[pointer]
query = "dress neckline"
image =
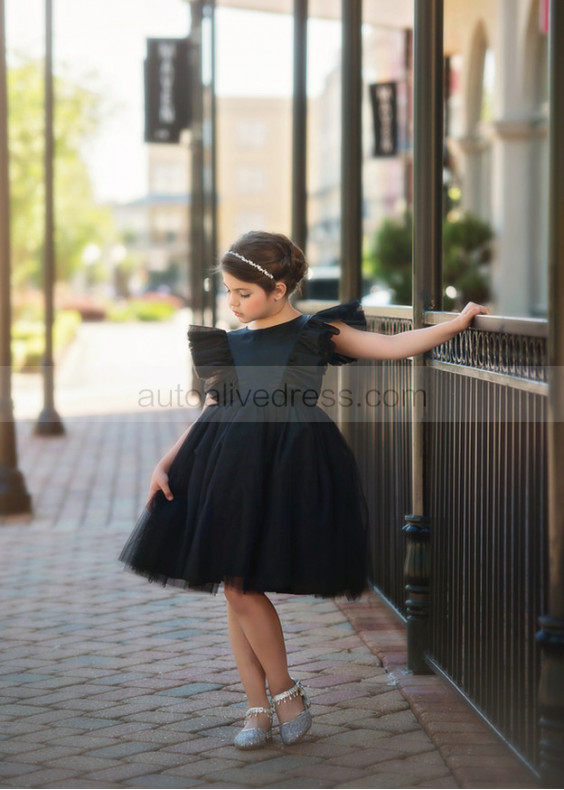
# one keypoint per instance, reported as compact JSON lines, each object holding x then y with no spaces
{"x":282,"y":323}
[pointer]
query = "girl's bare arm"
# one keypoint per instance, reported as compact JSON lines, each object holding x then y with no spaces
{"x":373,"y":345}
{"x":159,"y":478}
{"x":170,"y":455}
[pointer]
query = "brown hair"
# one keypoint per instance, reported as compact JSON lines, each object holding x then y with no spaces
{"x":274,"y":252}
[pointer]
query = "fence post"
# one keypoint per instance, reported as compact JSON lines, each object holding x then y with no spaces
{"x":551,"y":636}
{"x":299,"y":126}
{"x":351,"y":150}
{"x":427,"y":295}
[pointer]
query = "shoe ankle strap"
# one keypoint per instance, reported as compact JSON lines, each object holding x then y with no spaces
{"x":252,"y":711}
{"x":296,"y":689}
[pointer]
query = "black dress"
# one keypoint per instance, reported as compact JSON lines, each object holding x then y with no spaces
{"x":267,"y":493}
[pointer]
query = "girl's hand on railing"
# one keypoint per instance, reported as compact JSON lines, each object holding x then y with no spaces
{"x":159,"y":482}
{"x":468,"y":314}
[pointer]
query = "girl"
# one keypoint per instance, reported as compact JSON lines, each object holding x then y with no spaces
{"x":262,"y":492}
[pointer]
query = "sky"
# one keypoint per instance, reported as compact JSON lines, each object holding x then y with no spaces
{"x":102,"y":44}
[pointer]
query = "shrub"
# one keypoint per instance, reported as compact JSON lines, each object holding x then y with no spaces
{"x":467,"y":255}
{"x":28,"y":339}
{"x":141,"y":310}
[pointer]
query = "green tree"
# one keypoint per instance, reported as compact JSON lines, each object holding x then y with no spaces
{"x":466,"y":258}
{"x":78,"y":220}
{"x":391,"y":256}
{"x":467,"y":253}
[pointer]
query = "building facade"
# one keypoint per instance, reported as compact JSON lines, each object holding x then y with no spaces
{"x":253,"y":166}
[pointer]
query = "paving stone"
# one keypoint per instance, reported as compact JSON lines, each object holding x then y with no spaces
{"x":160,"y":758}
{"x":44,"y":776}
{"x":46,"y":755}
{"x":159,"y":781}
{"x":400,"y":722}
{"x":196,"y":745}
{"x":243,"y":775}
{"x":82,"y":742}
{"x":286,"y":762}
{"x":83,"y":763}
{"x":8,"y":769}
{"x":122,"y":749}
{"x":120,"y":772}
{"x":348,"y":716}
{"x":200,"y":767}
{"x":161,"y":735}
{"x":446,"y":781}
{"x":383,"y":780}
{"x":301,"y":782}
{"x":329,"y":773}
{"x":87,"y":723}
{"x":189,"y":689}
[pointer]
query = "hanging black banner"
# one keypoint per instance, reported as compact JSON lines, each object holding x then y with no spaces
{"x":167,"y":89}
{"x":385,"y":112}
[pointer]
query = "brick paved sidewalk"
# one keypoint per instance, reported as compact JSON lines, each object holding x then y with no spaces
{"x":109,"y":681}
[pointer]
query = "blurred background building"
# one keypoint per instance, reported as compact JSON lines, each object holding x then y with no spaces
{"x":138,"y":195}
{"x":495,"y":154}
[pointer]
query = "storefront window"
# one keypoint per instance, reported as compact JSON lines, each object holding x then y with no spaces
{"x":324,"y":151}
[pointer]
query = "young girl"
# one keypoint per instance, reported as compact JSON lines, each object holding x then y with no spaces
{"x":262,"y":493}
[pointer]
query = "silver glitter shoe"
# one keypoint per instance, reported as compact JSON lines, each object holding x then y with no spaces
{"x":254,"y":737}
{"x":291,"y":731}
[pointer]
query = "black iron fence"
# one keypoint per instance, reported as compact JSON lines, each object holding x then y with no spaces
{"x":485,"y":464}
{"x":382,"y":444}
{"x":486,"y":500}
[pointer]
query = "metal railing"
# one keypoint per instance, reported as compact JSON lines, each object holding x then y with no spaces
{"x":487,"y":498}
{"x":383,"y":449}
{"x":485,"y":464}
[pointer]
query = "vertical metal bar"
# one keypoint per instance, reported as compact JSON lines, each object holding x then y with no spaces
{"x":213,"y":119}
{"x":13,"y":495}
{"x":427,"y":158}
{"x":49,"y":423}
{"x":299,"y":126}
{"x":196,"y":254}
{"x":427,"y":264}
{"x":551,"y":637}
{"x":408,"y":77}
{"x":351,"y":151}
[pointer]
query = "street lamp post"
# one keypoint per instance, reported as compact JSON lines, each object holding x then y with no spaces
{"x":14,"y":497}
{"x":48,"y":422}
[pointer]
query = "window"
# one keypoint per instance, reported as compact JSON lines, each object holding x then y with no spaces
{"x":250,"y":134}
{"x":251,"y":179}
{"x":167,"y":222}
{"x":169,"y":178}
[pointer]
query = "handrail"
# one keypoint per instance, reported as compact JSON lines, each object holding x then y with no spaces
{"x":527,"y":327}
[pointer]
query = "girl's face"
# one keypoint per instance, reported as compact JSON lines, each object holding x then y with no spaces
{"x":249,"y":301}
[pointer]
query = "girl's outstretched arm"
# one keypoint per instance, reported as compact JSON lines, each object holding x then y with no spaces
{"x":374,"y":345}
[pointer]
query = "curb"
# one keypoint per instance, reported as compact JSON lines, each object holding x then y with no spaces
{"x":476,"y":757}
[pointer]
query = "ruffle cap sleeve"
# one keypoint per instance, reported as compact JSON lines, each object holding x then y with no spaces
{"x":351,"y":313}
{"x":211,"y":355}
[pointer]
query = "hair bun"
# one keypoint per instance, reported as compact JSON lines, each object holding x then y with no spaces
{"x":275,"y":252}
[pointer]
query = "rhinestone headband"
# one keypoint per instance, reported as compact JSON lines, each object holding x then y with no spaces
{"x":256,"y":265}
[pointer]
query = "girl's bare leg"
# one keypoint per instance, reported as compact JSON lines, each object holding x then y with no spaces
{"x":250,"y":670}
{"x":259,"y":641}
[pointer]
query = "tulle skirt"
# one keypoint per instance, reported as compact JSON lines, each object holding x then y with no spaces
{"x":263,"y":505}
